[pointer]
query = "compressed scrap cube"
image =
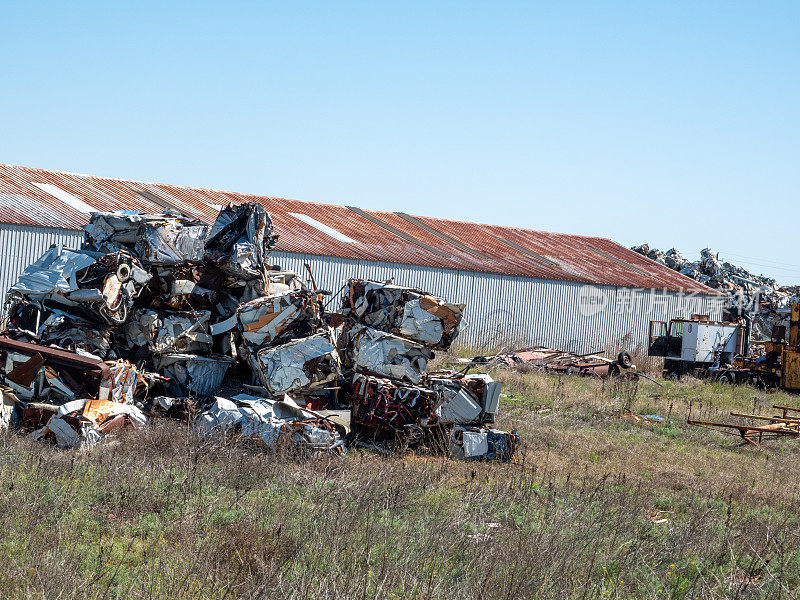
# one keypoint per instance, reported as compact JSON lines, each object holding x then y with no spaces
{"x":201,"y":375}
{"x":272,"y":319}
{"x":403,"y":311}
{"x":298,"y":366}
{"x":385,"y":355}
{"x":467,"y":399}
{"x":240,"y":239}
{"x":389,"y":406}
{"x":163,"y":332}
{"x":162,"y":239}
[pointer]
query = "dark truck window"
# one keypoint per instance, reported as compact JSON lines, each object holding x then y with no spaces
{"x":658,"y":338}
{"x":675,"y":339}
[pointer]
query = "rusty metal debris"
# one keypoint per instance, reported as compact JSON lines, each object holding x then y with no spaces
{"x":162,"y":316}
{"x":74,"y":400}
{"x":754,"y":434}
{"x":559,"y":361}
{"x":786,"y":424}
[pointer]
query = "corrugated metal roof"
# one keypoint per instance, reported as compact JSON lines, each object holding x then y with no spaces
{"x":383,"y":236}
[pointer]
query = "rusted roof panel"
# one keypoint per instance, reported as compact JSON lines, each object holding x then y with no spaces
{"x":383,"y":236}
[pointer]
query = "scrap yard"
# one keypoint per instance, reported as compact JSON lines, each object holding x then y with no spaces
{"x":399,"y":301}
{"x":168,"y":381}
{"x":164,"y":316}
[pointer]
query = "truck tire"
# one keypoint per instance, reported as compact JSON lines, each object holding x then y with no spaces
{"x":624,"y":359}
{"x":726,"y":378}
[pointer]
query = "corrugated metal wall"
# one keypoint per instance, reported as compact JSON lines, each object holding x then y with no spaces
{"x":22,"y":245}
{"x":501,"y":310}
{"x":519,"y":311}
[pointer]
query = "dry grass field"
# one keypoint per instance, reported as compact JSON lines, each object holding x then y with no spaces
{"x":599,"y":505}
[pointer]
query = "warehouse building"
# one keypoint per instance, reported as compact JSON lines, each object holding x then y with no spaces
{"x":521,"y":287}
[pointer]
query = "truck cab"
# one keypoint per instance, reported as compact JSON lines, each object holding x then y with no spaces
{"x":695,"y":343}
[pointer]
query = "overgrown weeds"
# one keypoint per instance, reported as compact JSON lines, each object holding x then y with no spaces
{"x":600,"y":505}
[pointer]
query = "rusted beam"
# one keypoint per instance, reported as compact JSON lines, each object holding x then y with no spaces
{"x":57,"y":356}
{"x":787,"y":420}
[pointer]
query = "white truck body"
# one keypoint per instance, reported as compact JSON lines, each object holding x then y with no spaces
{"x":702,"y":340}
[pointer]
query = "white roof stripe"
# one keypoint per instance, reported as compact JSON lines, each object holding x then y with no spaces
{"x":324,"y":228}
{"x":66,"y":197}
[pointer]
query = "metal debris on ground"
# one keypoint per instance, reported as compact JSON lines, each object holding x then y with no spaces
{"x":271,"y":423}
{"x":787,"y":424}
{"x":163,"y":316}
{"x":559,"y":361}
{"x":471,"y":443}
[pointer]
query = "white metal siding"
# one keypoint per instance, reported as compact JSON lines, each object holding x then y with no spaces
{"x":21,"y":245}
{"x":520,"y":311}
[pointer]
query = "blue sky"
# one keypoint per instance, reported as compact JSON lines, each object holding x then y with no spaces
{"x":675,"y":123}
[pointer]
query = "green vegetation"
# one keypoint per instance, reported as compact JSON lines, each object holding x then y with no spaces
{"x":601,"y":504}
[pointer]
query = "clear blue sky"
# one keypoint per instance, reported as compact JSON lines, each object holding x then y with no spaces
{"x":675,"y":123}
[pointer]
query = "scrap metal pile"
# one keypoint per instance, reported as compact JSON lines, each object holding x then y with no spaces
{"x":387,"y":338}
{"x":744,"y":289}
{"x":162,"y":315}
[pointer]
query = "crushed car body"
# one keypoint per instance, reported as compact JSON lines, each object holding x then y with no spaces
{"x":386,"y":355}
{"x":297,"y":366}
{"x":403,"y":311}
{"x":272,"y":423}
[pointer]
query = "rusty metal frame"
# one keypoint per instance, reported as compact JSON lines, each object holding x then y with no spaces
{"x":57,"y":356}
